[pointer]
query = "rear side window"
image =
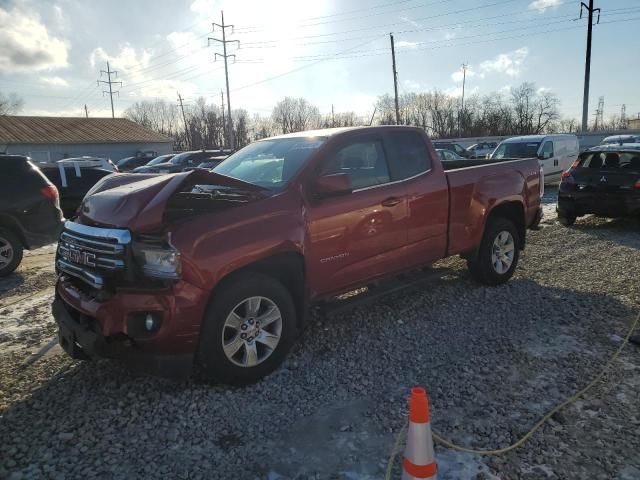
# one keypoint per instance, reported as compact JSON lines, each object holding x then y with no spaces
{"x":13,"y":167}
{"x":408,"y":155}
{"x":611,"y":161}
{"x":363,"y":160}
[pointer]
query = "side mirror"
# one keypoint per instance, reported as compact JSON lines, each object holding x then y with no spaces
{"x":333,"y":184}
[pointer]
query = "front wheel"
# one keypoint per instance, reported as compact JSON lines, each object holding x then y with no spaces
{"x":248,"y":330}
{"x":498,"y":255}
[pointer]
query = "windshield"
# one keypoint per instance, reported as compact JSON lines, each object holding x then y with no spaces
{"x":160,"y":159}
{"x":517,"y":150}
{"x":180,"y":158}
{"x":270,"y":163}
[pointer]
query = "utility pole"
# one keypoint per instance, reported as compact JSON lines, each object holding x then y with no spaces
{"x":623,"y":116}
{"x":464,"y":80}
{"x":395,"y":78}
{"x":86,"y":112}
{"x":587,"y":64}
{"x":224,"y":55}
{"x":110,"y":82}
{"x":599,"y":114}
{"x":224,"y":123}
{"x":184,"y":119}
{"x":333,"y":118}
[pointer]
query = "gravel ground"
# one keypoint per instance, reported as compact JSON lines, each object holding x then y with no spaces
{"x":493,"y":360}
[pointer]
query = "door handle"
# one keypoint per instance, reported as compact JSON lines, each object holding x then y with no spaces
{"x":391,"y":202}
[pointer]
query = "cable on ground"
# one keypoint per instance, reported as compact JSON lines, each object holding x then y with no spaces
{"x":449,"y":444}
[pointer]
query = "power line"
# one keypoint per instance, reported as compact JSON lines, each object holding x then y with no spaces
{"x":110,"y":82}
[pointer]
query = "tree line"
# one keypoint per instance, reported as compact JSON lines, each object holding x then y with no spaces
{"x":523,"y":110}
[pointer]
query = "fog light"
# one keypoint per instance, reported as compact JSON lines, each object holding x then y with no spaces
{"x":149,"y":323}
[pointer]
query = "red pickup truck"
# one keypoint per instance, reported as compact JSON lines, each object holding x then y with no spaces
{"x":217,"y":269}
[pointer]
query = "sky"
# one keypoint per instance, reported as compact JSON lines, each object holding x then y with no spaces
{"x":332,"y":52}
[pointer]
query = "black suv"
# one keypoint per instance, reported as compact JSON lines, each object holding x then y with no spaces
{"x":604,"y":180}
{"x":30,"y":215}
{"x":454,"y":147}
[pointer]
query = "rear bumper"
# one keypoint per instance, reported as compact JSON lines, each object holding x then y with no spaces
{"x":112,"y":328}
{"x":42,"y":226}
{"x":603,"y":205}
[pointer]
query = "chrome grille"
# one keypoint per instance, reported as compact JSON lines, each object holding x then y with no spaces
{"x":91,"y":253}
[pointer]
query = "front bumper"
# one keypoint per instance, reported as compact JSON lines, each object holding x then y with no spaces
{"x":104,"y":328}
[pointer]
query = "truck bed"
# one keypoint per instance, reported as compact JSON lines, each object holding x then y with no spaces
{"x":475,"y":186}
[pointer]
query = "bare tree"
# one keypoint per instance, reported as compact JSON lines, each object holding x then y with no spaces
{"x":10,"y":104}
{"x":295,"y":115}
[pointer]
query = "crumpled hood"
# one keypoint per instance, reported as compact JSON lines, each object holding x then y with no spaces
{"x":137,"y":201}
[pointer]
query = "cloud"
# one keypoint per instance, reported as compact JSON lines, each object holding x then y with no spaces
{"x":411,"y":85}
{"x":54,"y":81}
{"x":458,"y":76}
{"x":411,"y":22}
{"x":456,"y":92}
{"x":407,"y":45}
{"x":542,"y":5}
{"x":26,"y":46}
{"x":143,"y":78}
{"x":509,"y":63}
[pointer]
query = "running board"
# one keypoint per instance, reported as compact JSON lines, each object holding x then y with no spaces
{"x":406,"y":282}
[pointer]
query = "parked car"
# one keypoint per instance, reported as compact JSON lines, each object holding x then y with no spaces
{"x":209,"y":164}
{"x":448,"y":155}
{"x":481,"y":150}
{"x":219,"y":267}
{"x":155,"y":161}
{"x":604,"y":181}
{"x":141,"y":158}
{"x":620,"y":139}
{"x":74,"y":177}
{"x":180,"y":161}
{"x":556,"y":153}
{"x":454,"y":147}
{"x":30,"y":215}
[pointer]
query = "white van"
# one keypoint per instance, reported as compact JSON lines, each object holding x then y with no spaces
{"x":555,"y":153}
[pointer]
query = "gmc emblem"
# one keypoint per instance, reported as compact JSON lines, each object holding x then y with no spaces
{"x":80,"y":257}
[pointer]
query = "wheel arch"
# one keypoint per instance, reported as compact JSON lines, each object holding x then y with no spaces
{"x":9,"y":223}
{"x":285,"y":267}
{"x":513,"y":211}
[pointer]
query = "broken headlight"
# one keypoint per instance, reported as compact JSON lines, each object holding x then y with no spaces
{"x":158,"y":258}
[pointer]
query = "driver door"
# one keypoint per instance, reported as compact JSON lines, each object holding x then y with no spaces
{"x":358,"y":236}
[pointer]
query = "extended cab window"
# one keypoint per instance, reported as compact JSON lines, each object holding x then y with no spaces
{"x":363,"y":160}
{"x":409,"y":155}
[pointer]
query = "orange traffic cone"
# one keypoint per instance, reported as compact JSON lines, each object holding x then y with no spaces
{"x":419,"y":458}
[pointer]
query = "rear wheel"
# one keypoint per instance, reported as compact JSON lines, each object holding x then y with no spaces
{"x":248,"y":330}
{"x":499,"y":253}
{"x":567,"y":218}
{"x":10,"y":252}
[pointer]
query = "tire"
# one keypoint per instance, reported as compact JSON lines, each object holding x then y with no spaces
{"x":567,"y":219}
{"x":221,"y":364}
{"x":483,"y":269}
{"x":10,"y":252}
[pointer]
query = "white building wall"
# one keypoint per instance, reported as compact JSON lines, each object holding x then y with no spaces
{"x":114,"y":151}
